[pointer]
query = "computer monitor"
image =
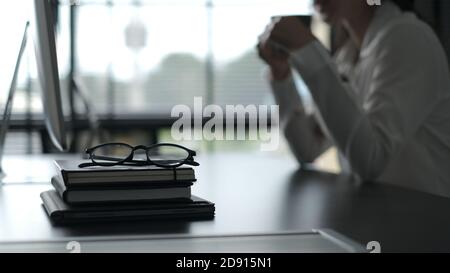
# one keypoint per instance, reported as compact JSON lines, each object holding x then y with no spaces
{"x":48,"y":74}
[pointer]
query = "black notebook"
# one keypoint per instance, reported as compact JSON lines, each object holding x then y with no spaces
{"x":121,"y":194}
{"x":61,"y":213}
{"x":72,"y":175}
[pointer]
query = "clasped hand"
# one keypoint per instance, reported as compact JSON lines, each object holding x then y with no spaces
{"x":281,"y":37}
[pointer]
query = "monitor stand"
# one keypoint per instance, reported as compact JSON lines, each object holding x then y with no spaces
{"x":9,"y":101}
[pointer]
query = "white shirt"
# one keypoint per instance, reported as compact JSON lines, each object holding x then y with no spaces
{"x":391,"y":121}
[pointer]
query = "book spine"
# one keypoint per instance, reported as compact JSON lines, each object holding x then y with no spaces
{"x":64,"y":176}
{"x":61,"y":192}
{"x":61,"y":172}
{"x":49,"y":204}
{"x":52,"y":206}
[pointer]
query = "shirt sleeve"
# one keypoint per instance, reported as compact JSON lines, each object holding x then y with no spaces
{"x":401,"y":96}
{"x":301,"y":130}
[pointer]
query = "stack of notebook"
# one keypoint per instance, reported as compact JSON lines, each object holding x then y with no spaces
{"x":122,"y":193}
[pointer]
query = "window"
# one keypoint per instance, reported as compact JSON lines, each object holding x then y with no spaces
{"x":147,"y":56}
{"x":13,"y":18}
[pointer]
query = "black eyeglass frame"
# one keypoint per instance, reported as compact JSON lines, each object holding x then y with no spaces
{"x":189,"y":160}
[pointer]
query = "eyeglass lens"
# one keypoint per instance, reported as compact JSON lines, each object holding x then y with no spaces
{"x":167,"y":155}
{"x":111,"y":153}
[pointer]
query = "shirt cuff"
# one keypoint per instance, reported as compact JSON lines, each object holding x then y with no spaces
{"x":287,"y":96}
{"x":310,"y":59}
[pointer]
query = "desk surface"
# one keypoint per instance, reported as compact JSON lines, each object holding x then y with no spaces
{"x":263,"y":193}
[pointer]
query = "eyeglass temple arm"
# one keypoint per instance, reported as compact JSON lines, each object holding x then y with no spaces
{"x":192,"y":163}
{"x":142,"y":163}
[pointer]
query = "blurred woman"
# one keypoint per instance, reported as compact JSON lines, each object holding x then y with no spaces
{"x":383,"y":100}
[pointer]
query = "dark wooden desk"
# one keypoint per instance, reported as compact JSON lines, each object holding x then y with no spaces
{"x":263,"y":193}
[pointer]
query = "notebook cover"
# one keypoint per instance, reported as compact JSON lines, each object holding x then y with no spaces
{"x":73,"y":175}
{"x":65,"y":193}
{"x":61,"y":213}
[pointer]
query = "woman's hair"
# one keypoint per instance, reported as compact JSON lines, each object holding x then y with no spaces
{"x":406,"y":5}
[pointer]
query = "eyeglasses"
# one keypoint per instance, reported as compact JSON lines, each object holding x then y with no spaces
{"x":162,"y":155}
